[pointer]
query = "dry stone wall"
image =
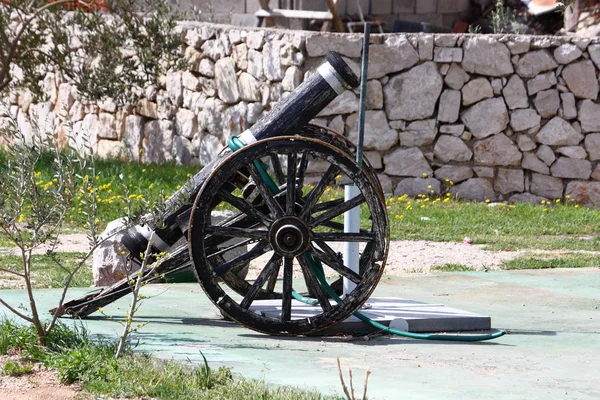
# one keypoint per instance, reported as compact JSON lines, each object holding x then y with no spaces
{"x":484,"y":117}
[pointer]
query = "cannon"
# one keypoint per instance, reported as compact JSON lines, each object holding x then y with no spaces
{"x":285,"y":222}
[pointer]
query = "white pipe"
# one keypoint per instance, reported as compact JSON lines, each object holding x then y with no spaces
{"x":351,"y":249}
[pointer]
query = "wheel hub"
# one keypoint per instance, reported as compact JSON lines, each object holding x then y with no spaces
{"x":289,"y":236}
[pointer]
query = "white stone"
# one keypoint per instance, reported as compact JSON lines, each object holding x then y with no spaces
{"x":378,"y":135}
{"x":509,"y":181}
{"x":525,"y":143}
{"x":456,"y":77}
{"x":418,"y":186}
{"x":407,"y":162}
{"x":346,"y":103}
{"x":497,"y":150}
{"x":558,"y":132}
{"x":534,"y":63}
{"x":476,"y":90}
{"x":454,"y":130}
{"x":567,"y":53}
{"x":394,"y":55}
{"x":447,"y":55}
{"x":107,"y":263}
{"x":347,"y":45}
{"x":594,"y":51}
{"x":450,"y":148}
{"x":249,"y":87}
{"x":255,"y":64}
{"x":486,"y":118}
{"x":484,"y":55}
{"x":569,"y":108}
{"x":589,"y":116}
{"x":157,"y":142}
{"x":106,"y":126}
{"x":272,"y":67}
{"x":565,"y":167}
{"x":582,"y":80}
{"x":592,"y":145}
{"x":175,"y":88}
{"x":292,"y":79}
{"x":547,"y":103}
{"x":337,"y":125}
{"x":475,"y":189}
{"x":254,"y":112}
{"x":209,"y":149}
{"x":546,"y":154}
{"x":255,"y":39}
{"x":132,"y":138}
{"x":227,"y":84}
{"x":108,"y":105}
{"x":189,"y":81}
{"x":207,"y":68}
{"x":522,"y":120}
{"x":584,"y":192}
{"x":414,"y":94}
{"x":515,"y":94}
{"x":234,"y":120}
{"x":519,"y":45}
{"x":546,"y":186}
{"x":449,"y":106}
{"x":110,"y":149}
{"x":64,"y":100}
{"x":182,"y":150}
{"x":454,"y":173}
{"x":240,"y":55}
{"x":541,"y":82}
{"x":425,"y":48}
{"x":573,"y":152}
{"x":533,"y":163}
{"x":217,"y":48}
{"x":374,"y":95}
{"x":186,"y":123}
{"x":419,"y":133}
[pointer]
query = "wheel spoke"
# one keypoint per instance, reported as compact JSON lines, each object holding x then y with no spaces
{"x":314,"y":195}
{"x":230,"y":231}
{"x":286,"y":301}
{"x":277,"y":169}
{"x":273,"y":280}
{"x":245,"y":207}
{"x":259,"y":249}
{"x":313,"y":285}
{"x":338,"y":210}
{"x":291,"y":184}
{"x":326,"y":205}
{"x":224,"y":250}
{"x":343,"y":237}
{"x":332,"y":260}
{"x":271,"y":268}
{"x":264,"y":191}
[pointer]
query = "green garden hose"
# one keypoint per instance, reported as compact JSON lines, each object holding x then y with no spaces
{"x":235,"y":144}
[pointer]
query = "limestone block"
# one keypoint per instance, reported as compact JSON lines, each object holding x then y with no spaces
{"x":413,"y":94}
{"x":589,"y":116}
{"x":419,"y":133}
{"x":346,"y":45}
{"x":484,"y":55}
{"x":286,"y":54}
{"x":525,"y":143}
{"x":526,"y":198}
{"x":106,"y":126}
{"x":240,"y":56}
{"x":573,"y":152}
{"x":175,"y":88}
{"x":454,"y":173}
{"x":450,"y":148}
{"x":509,"y":181}
{"x":533,"y":163}
{"x":193,"y":38}
{"x":497,"y":150}
{"x":476,"y":90}
{"x":132,"y":138}
{"x":446,"y":40}
{"x":454,"y":130}
{"x":292,"y":79}
{"x":584,"y":192}
{"x":484,"y":172}
{"x":157,"y":142}
{"x":534,"y":63}
{"x":193,"y":58}
{"x":519,"y":44}
{"x":567,"y":53}
{"x":416,"y":186}
{"x":189,"y":81}
{"x":594,"y":51}
{"x":569,"y":108}
{"x":234,"y":120}
{"x":110,"y":149}
{"x":558,"y":132}
{"x":546,"y":186}
{"x":206,"y":68}
{"x":254,"y":111}
{"x":209,"y":148}
{"x":515,"y":94}
{"x":425,"y":47}
{"x":378,"y":135}
{"x":272,"y":67}
{"x":596,"y":173}
{"x":255,"y":39}
{"x":217,"y":48}
{"x":456,"y":77}
{"x":476,"y":189}
{"x":572,"y":168}
{"x":407,"y":162}
{"x":547,"y":103}
{"x":65,"y":99}
{"x":449,"y":106}
{"x":374,"y":158}
{"x":447,"y":55}
{"x":107,"y":265}
{"x":488,"y":117}
{"x":546,"y":154}
{"x":541,"y":82}
{"x":394,"y":55}
{"x":249,"y":87}
{"x":186,"y":123}
{"x":227,"y":83}
{"x":592,"y":145}
{"x":346,"y":103}
{"x":374,"y":95}
{"x":581,"y":79}
{"x":522,"y":120}
{"x":337,"y":124}
{"x":49,"y":86}
{"x":182,"y":150}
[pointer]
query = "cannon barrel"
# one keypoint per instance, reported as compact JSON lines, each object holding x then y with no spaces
{"x":333,"y":77}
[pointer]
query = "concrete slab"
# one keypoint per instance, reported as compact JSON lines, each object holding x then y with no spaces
{"x":410,"y":315}
{"x":551,"y":351}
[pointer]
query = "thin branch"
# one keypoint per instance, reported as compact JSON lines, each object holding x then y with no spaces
{"x":17,"y":313}
{"x":8,"y":271}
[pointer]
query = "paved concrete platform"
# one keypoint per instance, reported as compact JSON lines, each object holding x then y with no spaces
{"x":403,"y":314}
{"x":551,"y":351}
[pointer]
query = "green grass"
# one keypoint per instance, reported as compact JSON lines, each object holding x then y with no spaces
{"x":77,"y":358}
{"x":451,"y":268}
{"x":47,"y":274}
{"x":568,"y":260}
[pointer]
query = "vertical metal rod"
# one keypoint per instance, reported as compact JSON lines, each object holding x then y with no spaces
{"x":352,"y":217}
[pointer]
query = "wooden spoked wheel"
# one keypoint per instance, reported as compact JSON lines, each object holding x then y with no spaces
{"x":283,"y":224}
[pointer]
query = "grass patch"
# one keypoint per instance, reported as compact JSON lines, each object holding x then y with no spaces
{"x":565,"y":261}
{"x":47,"y":274}
{"x":451,"y":268}
{"x":92,"y":365}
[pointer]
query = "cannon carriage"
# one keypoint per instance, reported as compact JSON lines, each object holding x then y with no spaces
{"x":283,"y":223}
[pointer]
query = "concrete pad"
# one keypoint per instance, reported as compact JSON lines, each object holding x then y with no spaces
{"x":410,"y":315}
{"x":550,"y":352}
